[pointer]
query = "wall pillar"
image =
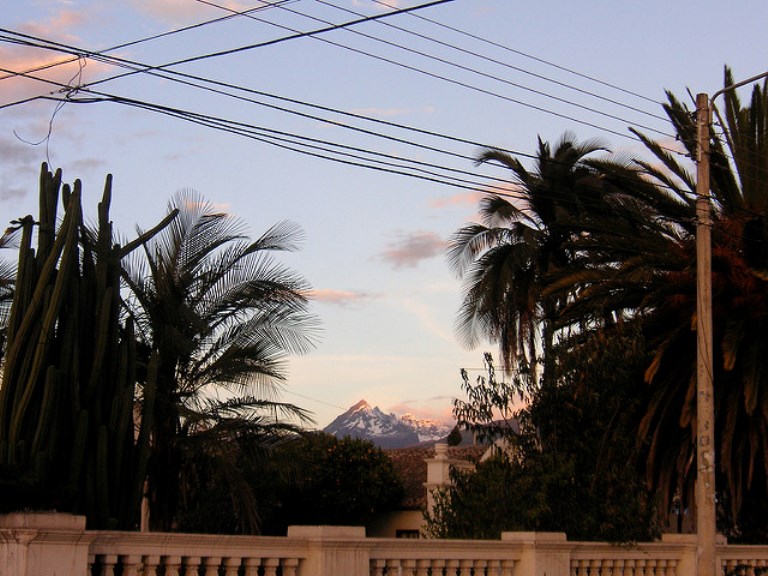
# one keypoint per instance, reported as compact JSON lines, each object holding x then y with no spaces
{"x":43,"y":544}
{"x":543,"y":553}
{"x":333,"y":550}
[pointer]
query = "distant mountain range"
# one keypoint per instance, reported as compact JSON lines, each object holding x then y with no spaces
{"x":386,"y":430}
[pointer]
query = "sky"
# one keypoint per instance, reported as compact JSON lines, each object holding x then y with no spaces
{"x":291,"y":119}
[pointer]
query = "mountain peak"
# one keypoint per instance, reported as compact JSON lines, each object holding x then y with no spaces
{"x":385,"y":430}
{"x":361,"y":405}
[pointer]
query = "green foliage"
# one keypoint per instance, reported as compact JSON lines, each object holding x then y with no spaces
{"x":222,"y":316}
{"x":340,"y":482}
{"x":559,"y":473}
{"x":68,"y":439}
{"x":454,"y":438}
{"x":479,"y":504}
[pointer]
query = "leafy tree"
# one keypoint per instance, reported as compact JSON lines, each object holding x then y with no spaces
{"x":506,"y":261}
{"x":553,"y":472}
{"x":232,"y":486}
{"x":631,"y":261}
{"x":222,"y":316}
{"x":339,"y":482}
{"x":658,"y":287}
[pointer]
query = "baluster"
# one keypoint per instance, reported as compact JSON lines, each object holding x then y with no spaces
{"x":377,"y":567}
{"x":507,"y":567}
{"x":580,"y":568}
{"x":232,"y":565}
{"x":672,"y":567}
{"x":630,"y":567}
{"x":252,"y":566}
{"x":211,"y":564}
{"x":595,"y":567}
{"x":150,"y":565}
{"x":493,"y":568}
{"x":289,"y":566}
{"x":452,"y":568}
{"x":107,"y":562}
{"x":270,"y":566}
{"x":423,"y":566}
{"x":438,"y":567}
{"x":191,"y":564}
{"x":171,"y":565}
{"x":393,"y":567}
{"x":409,"y":567}
{"x":131,"y":564}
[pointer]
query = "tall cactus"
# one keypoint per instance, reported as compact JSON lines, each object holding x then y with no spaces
{"x":73,"y":427}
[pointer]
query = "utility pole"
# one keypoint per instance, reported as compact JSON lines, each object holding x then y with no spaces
{"x":706,"y":530}
{"x":705,"y":409}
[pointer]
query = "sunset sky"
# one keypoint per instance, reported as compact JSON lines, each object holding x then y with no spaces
{"x":299,"y":113}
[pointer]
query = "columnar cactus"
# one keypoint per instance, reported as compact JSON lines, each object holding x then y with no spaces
{"x":74,"y":413}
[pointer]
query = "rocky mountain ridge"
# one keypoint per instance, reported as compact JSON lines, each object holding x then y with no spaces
{"x":386,"y":430}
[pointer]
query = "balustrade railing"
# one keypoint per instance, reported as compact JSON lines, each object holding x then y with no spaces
{"x":43,"y":545}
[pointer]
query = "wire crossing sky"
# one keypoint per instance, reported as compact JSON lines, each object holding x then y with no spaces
{"x":357,"y":119}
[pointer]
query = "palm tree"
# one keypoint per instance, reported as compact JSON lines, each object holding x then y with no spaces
{"x":612,"y":243}
{"x":222,"y":316}
{"x":506,"y":261}
{"x":739,"y":189}
{"x":7,"y":279}
{"x":648,"y":275}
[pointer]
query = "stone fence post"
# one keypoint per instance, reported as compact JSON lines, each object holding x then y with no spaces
{"x":43,"y":544}
{"x":333,"y":550}
{"x":542,"y":554}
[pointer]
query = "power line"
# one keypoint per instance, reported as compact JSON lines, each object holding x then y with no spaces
{"x":423,"y":72}
{"x":233,"y":14}
{"x":492,"y":60}
{"x":524,"y":54}
{"x":382,"y":166}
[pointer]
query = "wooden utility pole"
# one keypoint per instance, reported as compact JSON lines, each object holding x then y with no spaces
{"x":705,"y":410}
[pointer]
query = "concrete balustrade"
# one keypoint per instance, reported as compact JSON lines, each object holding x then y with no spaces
{"x":50,"y":544}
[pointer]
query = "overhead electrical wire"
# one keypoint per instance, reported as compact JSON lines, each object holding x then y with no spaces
{"x":79,"y":52}
{"x":58,"y":46}
{"x":524,"y":54}
{"x":290,"y":142}
{"x":165,"y":34}
{"x":483,"y":74}
{"x":506,"y":65}
{"x":131,"y":65}
{"x":377,"y":17}
{"x":409,"y":67}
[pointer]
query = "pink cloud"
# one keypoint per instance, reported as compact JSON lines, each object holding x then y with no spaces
{"x":338,"y":297}
{"x":411,"y":249}
{"x":58,"y":26}
{"x":178,"y":12}
{"x":439,"y":408}
{"x":462,"y":199}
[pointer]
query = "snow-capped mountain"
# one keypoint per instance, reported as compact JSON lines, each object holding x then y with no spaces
{"x":385,"y":430}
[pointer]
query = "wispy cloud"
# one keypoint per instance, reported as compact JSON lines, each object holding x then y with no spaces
{"x":462,"y":199}
{"x":410,"y":249}
{"x":427,"y":319}
{"x":382,"y":5}
{"x":338,"y":297}
{"x":178,"y":12}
